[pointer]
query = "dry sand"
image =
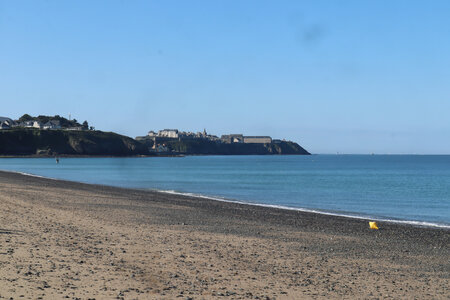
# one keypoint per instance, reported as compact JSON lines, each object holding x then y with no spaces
{"x":69,"y":240}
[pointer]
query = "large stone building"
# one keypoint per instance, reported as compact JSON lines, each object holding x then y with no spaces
{"x":239,"y":138}
{"x":168,"y":133}
{"x":257,"y":139}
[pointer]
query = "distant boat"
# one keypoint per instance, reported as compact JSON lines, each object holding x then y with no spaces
{"x":57,"y":159}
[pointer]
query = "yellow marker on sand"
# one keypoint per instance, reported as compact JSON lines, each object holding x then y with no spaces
{"x":373,"y":225}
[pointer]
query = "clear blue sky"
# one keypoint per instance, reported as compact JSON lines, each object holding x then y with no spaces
{"x":335,"y":76}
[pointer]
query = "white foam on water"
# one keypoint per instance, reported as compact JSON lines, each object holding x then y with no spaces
{"x":406,"y":222}
{"x":32,"y":175}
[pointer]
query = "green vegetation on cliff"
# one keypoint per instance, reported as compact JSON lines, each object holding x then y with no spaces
{"x":21,"y":141}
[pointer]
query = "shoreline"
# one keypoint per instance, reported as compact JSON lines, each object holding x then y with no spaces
{"x":350,"y":215}
{"x":180,"y":154}
{"x":318,"y":211}
{"x":67,"y":239}
{"x":200,"y":200}
{"x":75,"y":156}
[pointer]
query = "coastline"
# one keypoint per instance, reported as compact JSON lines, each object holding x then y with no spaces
{"x":73,"y":156}
{"x":311,"y":213}
{"x":416,"y":223}
{"x":155,"y":154}
{"x":180,"y":245}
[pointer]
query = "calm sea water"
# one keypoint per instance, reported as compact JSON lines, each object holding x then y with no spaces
{"x":395,"y":187}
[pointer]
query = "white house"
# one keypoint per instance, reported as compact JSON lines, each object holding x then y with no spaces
{"x":53,"y":124}
{"x":32,"y":124}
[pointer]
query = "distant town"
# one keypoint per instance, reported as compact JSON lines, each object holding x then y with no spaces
{"x":228,"y":138}
{"x":159,"y":140}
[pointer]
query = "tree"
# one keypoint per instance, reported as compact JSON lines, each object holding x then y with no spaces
{"x":85,"y":125}
{"x":25,"y":117}
{"x":43,"y":119}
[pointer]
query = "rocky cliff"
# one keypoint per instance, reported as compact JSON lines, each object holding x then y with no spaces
{"x":26,"y":141}
{"x":207,"y":147}
{"x":21,"y":141}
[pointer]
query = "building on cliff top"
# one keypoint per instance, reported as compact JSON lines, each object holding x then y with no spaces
{"x":31,"y":124}
{"x":232,"y":138}
{"x":181,"y":135}
{"x":53,"y":124}
{"x":239,"y":138}
{"x":168,"y":133}
{"x":257,"y":140}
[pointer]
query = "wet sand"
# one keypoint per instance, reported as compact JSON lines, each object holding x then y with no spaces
{"x":62,"y":239}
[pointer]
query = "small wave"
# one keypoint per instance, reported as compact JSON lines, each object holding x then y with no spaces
{"x":32,"y":175}
{"x":316,"y":211}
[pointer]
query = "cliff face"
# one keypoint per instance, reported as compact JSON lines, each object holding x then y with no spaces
{"x":197,"y":146}
{"x":49,"y":142}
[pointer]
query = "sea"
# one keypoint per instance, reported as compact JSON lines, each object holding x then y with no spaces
{"x":412,"y":189}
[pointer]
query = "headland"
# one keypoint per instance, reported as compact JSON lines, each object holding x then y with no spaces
{"x":44,"y":136}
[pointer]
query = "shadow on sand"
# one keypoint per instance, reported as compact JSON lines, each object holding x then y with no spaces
{"x":5,"y":231}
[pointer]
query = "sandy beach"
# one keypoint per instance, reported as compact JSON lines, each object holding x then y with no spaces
{"x":62,"y":239}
